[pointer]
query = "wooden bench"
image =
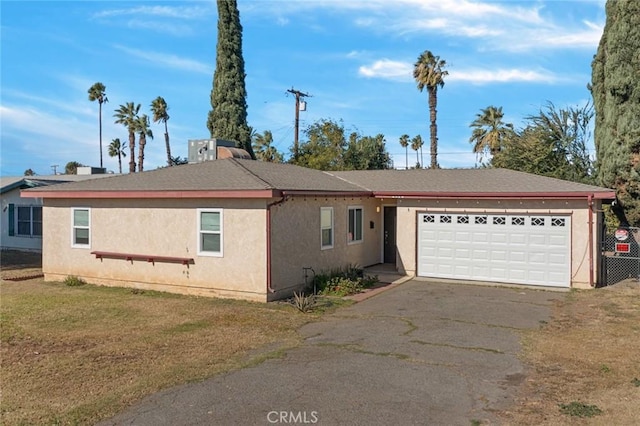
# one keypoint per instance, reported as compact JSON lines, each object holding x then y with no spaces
{"x":149,"y":258}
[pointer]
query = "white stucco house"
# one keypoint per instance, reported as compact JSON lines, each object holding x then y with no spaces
{"x":248,"y":229}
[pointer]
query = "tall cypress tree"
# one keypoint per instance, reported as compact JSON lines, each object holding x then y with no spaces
{"x":615,"y":87}
{"x":228,"y":117}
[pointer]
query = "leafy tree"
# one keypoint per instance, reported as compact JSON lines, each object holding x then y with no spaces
{"x":144,"y":131}
{"x":97,"y":93}
{"x":366,"y":153}
{"x":553,"y":143}
{"x":429,"y":73}
{"x":263,"y":148}
{"x":489,"y":131}
{"x":416,"y":144}
{"x":71,"y":168}
{"x":404,"y":142}
{"x":177,"y":161}
{"x":328,"y":149}
{"x":117,"y":149}
{"x":159,"y":109}
{"x":324,"y":148}
{"x":29,"y":172}
{"x":615,"y":87}
{"x":127,"y":115}
{"x":228,"y":117}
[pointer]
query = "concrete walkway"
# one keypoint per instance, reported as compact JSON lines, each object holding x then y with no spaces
{"x":418,"y":353}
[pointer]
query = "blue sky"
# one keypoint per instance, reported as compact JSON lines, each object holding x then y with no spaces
{"x":355,"y":59}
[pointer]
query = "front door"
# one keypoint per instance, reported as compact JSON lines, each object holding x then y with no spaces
{"x":389,"y":235}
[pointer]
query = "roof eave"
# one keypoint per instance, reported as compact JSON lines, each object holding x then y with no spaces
{"x":598,"y":195}
{"x":261,"y":193}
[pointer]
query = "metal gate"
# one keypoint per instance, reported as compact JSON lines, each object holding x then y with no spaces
{"x":620,"y":256}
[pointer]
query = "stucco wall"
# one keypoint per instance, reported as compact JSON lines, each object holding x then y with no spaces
{"x":296,"y":239}
{"x":161,"y":228}
{"x":17,"y":242}
{"x":578,"y":209}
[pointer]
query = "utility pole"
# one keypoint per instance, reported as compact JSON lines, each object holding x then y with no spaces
{"x":298,"y":94}
{"x":55,"y":169}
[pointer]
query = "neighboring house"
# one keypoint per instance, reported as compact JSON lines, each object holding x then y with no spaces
{"x":248,"y":229}
{"x":22,"y":217}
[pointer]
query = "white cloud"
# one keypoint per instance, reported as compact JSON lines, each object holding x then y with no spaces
{"x":181,"y":12}
{"x":388,"y":69}
{"x":168,"y":60}
{"x":513,"y":75}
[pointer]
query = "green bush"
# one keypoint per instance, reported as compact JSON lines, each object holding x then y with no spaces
{"x":73,"y":281}
{"x":343,"y":281}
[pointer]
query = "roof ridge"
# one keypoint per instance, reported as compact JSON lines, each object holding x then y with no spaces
{"x":238,"y":164}
{"x":346,"y":180}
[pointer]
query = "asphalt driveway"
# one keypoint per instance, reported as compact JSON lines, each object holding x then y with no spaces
{"x":420,"y":353}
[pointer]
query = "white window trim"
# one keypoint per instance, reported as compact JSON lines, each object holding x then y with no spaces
{"x":73,"y":228}
{"x":349,"y":210}
{"x":16,"y":226}
{"x":221,"y":232}
{"x":333,"y":232}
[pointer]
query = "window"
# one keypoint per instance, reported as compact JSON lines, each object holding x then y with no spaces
{"x":428,"y":218}
{"x":80,"y":227}
{"x":499,"y":220}
{"x":537,"y":221}
{"x":445,"y":219}
{"x":480,"y":220}
{"x":28,"y":222}
{"x":210,"y":232}
{"x":557,"y":221}
{"x":355,"y":225}
{"x":463,"y":219}
{"x":326,"y":227}
{"x":517,"y":221}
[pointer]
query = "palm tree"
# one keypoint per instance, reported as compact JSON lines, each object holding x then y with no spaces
{"x":263,"y":149}
{"x":127,"y":115}
{"x":159,"y":110}
{"x":116,"y":149}
{"x":142,"y":127}
{"x":404,"y":142}
{"x":429,"y":72}
{"x":416,"y":144}
{"x":96,"y":93}
{"x":489,"y":131}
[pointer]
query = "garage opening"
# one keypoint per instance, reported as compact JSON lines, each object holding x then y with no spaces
{"x":509,"y":248}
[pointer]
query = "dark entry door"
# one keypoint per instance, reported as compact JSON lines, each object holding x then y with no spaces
{"x":389,"y":235}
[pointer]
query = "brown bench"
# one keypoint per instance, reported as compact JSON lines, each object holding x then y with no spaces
{"x":149,"y":258}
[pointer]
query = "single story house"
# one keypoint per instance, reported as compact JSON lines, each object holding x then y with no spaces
{"x":249,"y":229}
{"x":21,"y":218}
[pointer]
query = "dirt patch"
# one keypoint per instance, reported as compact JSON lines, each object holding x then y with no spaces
{"x":18,"y":265}
{"x":587,"y":358}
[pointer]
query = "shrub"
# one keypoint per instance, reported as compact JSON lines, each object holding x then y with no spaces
{"x":73,"y":281}
{"x":343,"y":281}
{"x":303,"y":303}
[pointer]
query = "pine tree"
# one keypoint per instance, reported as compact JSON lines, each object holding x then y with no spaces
{"x":615,"y":88}
{"x":228,"y":117}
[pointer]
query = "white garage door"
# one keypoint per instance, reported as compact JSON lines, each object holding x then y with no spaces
{"x":520,"y":249}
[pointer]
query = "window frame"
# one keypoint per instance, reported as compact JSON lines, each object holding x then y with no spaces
{"x":353,"y":240}
{"x":74,"y":244}
{"x":323,"y":228}
{"x":199,"y":232}
{"x":30,"y":221}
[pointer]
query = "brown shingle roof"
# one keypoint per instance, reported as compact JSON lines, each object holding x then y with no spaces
{"x":239,"y":175}
{"x":473,"y":181}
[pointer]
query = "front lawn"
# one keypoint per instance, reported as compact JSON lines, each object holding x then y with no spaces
{"x":74,"y":355}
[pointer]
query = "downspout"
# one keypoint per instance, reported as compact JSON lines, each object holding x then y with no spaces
{"x":590,"y":204}
{"x":275,"y":203}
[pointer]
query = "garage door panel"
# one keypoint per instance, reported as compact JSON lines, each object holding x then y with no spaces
{"x":524,"y":249}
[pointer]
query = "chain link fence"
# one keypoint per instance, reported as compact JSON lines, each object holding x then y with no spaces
{"x":621,"y":255}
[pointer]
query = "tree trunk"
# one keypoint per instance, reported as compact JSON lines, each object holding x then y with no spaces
{"x":406,"y":153}
{"x":142,"y":142}
{"x":132,"y":149}
{"x":100,"y":127}
{"x":120,"y":160}
{"x":166,"y":141}
{"x":433,"y":101}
